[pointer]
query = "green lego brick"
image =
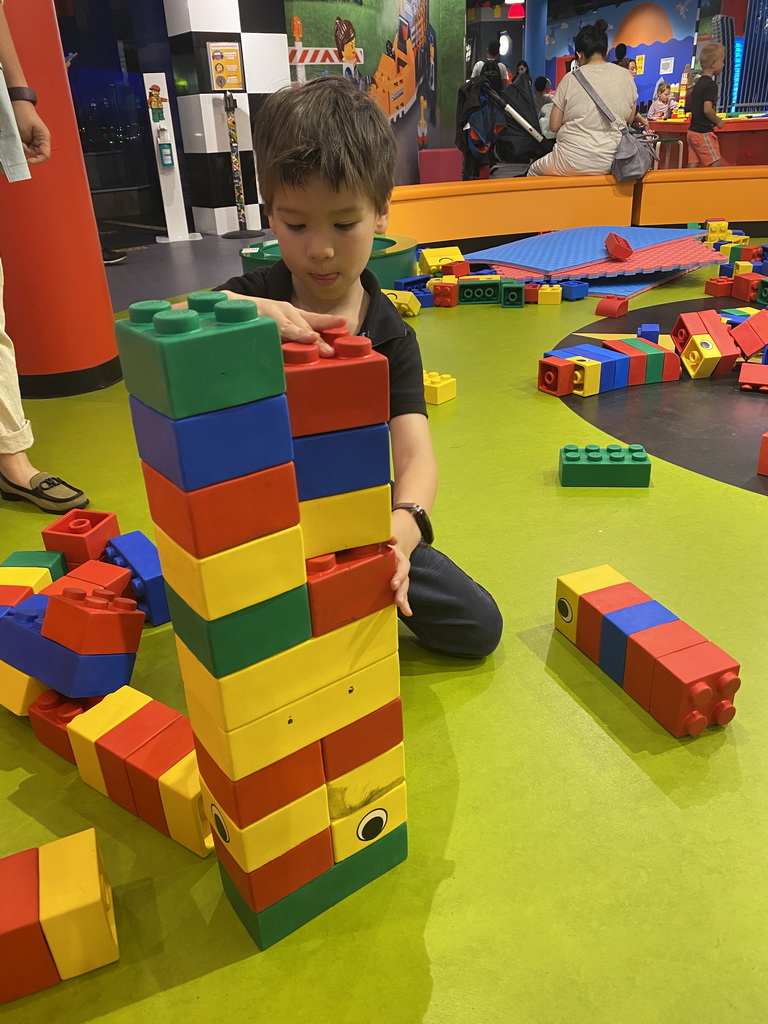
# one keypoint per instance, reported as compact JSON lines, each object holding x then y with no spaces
{"x":762,"y":292}
{"x":269,"y":926}
{"x":512,"y":294}
{"x":654,"y":366}
{"x":477,"y":292}
{"x":54,"y":561}
{"x":183,"y":362}
{"x":613,"y":466}
{"x":235,"y":641}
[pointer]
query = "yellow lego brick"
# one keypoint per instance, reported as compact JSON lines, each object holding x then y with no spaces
{"x":25,"y":576}
{"x":236,"y":578}
{"x":478,"y":277}
{"x":351,"y":520}
{"x":351,"y":834}
{"x":665,"y":341}
{"x":446,"y":279}
{"x":259,"y":689}
{"x":253,"y":746}
{"x":405,"y":303}
{"x":739,"y":239}
{"x":439,"y":387}
{"x":570,"y":588}
{"x":182,"y":802}
{"x":586,"y":376}
{"x":700,"y":356}
{"x":725,"y":250}
{"x":76,"y":911}
{"x":550,"y":295}
{"x":368,"y":782}
{"x":717,"y":226}
{"x":85,"y":729}
{"x":432,"y":259}
{"x":18,"y":690}
{"x":742,"y":267}
{"x":270,"y":837}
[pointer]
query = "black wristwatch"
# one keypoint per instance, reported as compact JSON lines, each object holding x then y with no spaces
{"x":422,"y":520}
{"x":22,"y":92}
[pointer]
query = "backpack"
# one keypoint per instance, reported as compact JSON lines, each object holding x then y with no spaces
{"x":491,"y":72}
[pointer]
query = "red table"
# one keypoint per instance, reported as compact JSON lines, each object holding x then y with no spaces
{"x":742,"y":141}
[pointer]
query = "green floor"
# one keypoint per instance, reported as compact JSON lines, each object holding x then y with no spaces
{"x":570,"y":861}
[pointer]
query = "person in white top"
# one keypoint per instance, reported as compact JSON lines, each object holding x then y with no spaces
{"x":586,"y":143}
{"x":493,"y":54}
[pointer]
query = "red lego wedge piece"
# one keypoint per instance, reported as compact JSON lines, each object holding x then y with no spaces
{"x":753,"y":377}
{"x":745,"y":286}
{"x":265,"y":791}
{"x":116,"y":745}
{"x":349,"y":585}
{"x":350,"y":390}
{"x":151,"y":760}
{"x":97,"y":624}
{"x":694,"y":688}
{"x":592,"y":608}
{"x":50,"y":715}
{"x":556,"y":376}
{"x":686,"y":325}
{"x":748,"y":340}
{"x":93,"y":575}
{"x":363,"y":740}
{"x":532,"y":292}
{"x":281,"y":876}
{"x":720,"y":287}
{"x":447,"y":294}
{"x":645,"y":647}
{"x":726,"y":346}
{"x":81,"y":534}
{"x":637,"y":359}
{"x":459,"y":268}
{"x":612,"y":305}
{"x":762,"y":459}
{"x":618,"y":247}
{"x":27,"y":964}
{"x":258,"y":504}
{"x":12,"y":595}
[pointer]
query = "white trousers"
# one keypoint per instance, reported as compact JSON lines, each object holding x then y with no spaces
{"x":15,"y":430}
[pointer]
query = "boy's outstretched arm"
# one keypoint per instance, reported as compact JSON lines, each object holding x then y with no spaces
{"x":711,"y":114}
{"x":415,"y":472}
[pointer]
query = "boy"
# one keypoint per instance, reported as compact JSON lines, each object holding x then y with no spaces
{"x":703,"y":145}
{"x":325,"y":155}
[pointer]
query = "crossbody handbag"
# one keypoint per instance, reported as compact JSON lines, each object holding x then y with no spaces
{"x":636,"y":153}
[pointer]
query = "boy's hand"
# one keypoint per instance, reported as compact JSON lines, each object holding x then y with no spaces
{"x":299,"y":324}
{"x":400,"y":580}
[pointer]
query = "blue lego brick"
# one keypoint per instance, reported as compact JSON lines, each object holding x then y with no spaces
{"x":764,"y":360}
{"x":136,"y":552}
{"x":480,"y":271}
{"x":573,"y":290}
{"x":411,"y":284}
{"x":757,"y":266}
{"x":719,"y":245}
{"x":74,"y":675}
{"x":341,"y":460}
{"x":649,"y":332}
{"x":725,"y":270}
{"x":614,"y":373}
{"x":201,"y":450}
{"x":425,"y":297}
{"x":739,"y":232}
{"x":617,"y":626}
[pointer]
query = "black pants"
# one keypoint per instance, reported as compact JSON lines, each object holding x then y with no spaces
{"x":451,"y":613}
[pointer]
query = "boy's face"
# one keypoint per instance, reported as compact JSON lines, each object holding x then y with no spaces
{"x":717,"y":65}
{"x":325,"y":238}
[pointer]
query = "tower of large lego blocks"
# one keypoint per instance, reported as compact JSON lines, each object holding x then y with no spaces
{"x":267,"y":474}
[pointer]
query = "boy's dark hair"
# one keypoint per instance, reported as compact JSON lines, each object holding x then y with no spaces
{"x":710,"y":53}
{"x":541,"y":83}
{"x":620,"y":52}
{"x":493,"y":49}
{"x":592,"y":39}
{"x":327,"y":129}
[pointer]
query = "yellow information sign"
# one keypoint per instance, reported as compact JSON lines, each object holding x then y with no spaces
{"x":226,"y":67}
{"x":640,"y":61}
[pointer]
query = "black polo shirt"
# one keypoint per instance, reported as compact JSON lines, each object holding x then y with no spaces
{"x":389,"y":334}
{"x":705,"y":89}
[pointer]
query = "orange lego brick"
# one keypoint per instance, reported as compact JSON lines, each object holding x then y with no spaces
{"x":594,"y":605}
{"x":97,"y":624}
{"x":27,"y":964}
{"x":81,"y":534}
{"x":151,"y":760}
{"x":363,"y":740}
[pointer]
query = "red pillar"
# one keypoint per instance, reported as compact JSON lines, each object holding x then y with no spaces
{"x":57,"y":303}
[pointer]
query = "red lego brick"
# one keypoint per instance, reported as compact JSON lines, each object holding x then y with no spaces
{"x":11,"y":595}
{"x":745,"y":286}
{"x":349,"y":585}
{"x":99,"y":623}
{"x":94,"y":575}
{"x":281,"y":876}
{"x":151,"y":760}
{"x":672,"y":368}
{"x":719,"y":333}
{"x":686,"y":325}
{"x":349,"y":390}
{"x":645,"y":647}
{"x":720,"y":287}
{"x":260,"y":793}
{"x":556,"y":376}
{"x":637,"y":359}
{"x":748,"y":340}
{"x":459,"y":268}
{"x":532,"y":292}
{"x":753,"y":377}
{"x":618,"y":247}
{"x":762,"y":459}
{"x":258,"y":504}
{"x":751,"y":253}
{"x":447,"y":294}
{"x":124,"y":739}
{"x":694,"y":688}
{"x":612,"y":305}
{"x":49,"y":716}
{"x":81,"y":535}
{"x":592,"y":608}
{"x":363,"y":740}
{"x":27,"y":964}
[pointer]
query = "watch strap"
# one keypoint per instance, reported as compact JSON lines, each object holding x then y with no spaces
{"x":22,"y":92}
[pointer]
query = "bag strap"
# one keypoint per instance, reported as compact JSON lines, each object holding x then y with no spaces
{"x":582,"y":80}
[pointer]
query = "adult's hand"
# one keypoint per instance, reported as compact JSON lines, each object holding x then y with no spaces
{"x":35,"y":136}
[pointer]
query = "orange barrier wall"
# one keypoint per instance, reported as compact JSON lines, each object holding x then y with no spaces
{"x":701,"y":193}
{"x":57,"y":302}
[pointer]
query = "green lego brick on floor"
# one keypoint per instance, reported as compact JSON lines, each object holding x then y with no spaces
{"x":654,"y":366}
{"x":512,"y":294}
{"x":762,"y":292}
{"x":54,"y":561}
{"x":215,"y":355}
{"x":298,"y":908}
{"x":235,"y":641}
{"x":478,"y":292}
{"x":614,"y":466}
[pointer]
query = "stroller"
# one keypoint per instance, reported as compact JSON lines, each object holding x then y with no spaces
{"x":500,"y":129}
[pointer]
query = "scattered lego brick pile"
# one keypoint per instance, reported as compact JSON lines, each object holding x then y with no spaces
{"x":57,"y":918}
{"x":614,"y":466}
{"x":683,"y":680}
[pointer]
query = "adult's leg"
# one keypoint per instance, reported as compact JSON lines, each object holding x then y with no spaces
{"x":451,"y":613}
{"x":15,"y":430}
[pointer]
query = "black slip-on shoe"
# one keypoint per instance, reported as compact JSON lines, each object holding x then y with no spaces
{"x":49,"y":493}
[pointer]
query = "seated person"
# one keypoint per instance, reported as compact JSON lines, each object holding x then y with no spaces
{"x":542,"y":92}
{"x":663,"y":105}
